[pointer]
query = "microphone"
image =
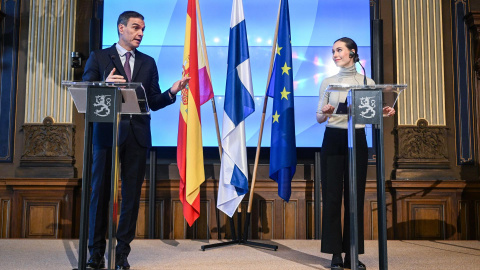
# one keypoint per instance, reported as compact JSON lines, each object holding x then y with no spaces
{"x":112,"y":58}
{"x":364,"y":74}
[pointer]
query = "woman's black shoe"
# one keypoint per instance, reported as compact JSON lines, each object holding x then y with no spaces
{"x":348,"y":264}
{"x":337,"y":262}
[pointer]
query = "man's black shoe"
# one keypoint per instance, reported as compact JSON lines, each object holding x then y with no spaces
{"x":96,"y":261}
{"x":121,"y":262}
{"x":337,"y":262}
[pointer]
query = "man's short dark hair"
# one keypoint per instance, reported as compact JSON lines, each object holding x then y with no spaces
{"x":126,"y":15}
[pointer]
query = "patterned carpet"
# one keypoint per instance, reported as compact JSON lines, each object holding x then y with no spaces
{"x":291,"y":254}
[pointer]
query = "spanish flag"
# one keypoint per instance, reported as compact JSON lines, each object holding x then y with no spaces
{"x":189,"y":144}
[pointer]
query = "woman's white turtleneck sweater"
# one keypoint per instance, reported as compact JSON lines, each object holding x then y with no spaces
{"x":348,"y":76}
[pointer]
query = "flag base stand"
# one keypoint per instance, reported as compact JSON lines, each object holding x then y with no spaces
{"x":250,"y":243}
{"x":239,"y":240}
{"x":234,"y":241}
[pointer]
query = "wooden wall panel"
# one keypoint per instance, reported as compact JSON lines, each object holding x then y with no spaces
{"x":5,"y":214}
{"x":415,"y":210}
{"x":463,"y":219}
{"x":225,"y":225}
{"x":477,"y":220}
{"x":266,"y":219}
{"x":144,"y":219}
{"x":310,"y":220}
{"x":178,"y":220}
{"x":159,"y":219}
{"x":202,"y":226}
{"x":427,"y":220}
{"x":373,"y":228}
{"x":290,"y":219}
{"x":41,"y":218}
{"x":370,"y":221}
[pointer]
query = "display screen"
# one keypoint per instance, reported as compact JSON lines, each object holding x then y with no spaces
{"x":315,"y":25}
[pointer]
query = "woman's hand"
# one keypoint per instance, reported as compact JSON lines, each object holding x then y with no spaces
{"x":388,"y":111}
{"x":328,"y":109}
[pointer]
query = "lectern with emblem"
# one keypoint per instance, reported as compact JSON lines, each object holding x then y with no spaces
{"x":103,"y":102}
{"x":364,"y":105}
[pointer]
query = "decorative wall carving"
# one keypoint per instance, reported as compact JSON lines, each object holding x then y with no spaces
{"x":422,"y":142}
{"x":48,"y":145}
{"x":421,"y":153}
{"x":48,"y":140}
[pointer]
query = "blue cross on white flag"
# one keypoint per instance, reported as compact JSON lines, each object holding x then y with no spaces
{"x":238,"y":105}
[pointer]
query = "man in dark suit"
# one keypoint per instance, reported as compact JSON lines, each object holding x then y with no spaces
{"x":122,"y":62}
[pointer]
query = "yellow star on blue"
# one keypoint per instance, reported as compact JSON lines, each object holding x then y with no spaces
{"x":279,"y":49}
{"x":285,"y":69}
{"x":284,"y":93}
{"x":275,"y":117}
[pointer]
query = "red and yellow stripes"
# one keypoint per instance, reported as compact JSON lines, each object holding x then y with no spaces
{"x":189,"y":147}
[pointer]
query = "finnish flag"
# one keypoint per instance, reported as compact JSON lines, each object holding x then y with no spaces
{"x":238,"y":105}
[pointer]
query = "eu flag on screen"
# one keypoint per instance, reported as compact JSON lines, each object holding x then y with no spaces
{"x":283,"y":154}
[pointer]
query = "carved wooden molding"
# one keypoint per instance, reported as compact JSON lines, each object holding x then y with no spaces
{"x":422,"y":142}
{"x":473,"y":21}
{"x":49,"y":140}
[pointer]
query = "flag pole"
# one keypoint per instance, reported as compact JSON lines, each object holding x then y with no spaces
{"x":262,"y":123}
{"x":217,"y":129}
{"x":214,"y":108}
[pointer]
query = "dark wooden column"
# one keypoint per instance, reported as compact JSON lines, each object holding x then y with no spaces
{"x":473,"y":22}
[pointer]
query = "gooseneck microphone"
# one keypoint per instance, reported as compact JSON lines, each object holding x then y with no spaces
{"x":112,"y":59}
{"x":356,"y":58}
{"x":364,"y":74}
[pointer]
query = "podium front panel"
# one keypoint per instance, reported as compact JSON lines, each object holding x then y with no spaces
{"x":368,"y":106}
{"x":100,"y":102}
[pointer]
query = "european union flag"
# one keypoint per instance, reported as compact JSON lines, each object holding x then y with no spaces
{"x":283,"y":153}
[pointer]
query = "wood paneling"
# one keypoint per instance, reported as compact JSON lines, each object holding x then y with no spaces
{"x":143,"y":220}
{"x":178,"y":225}
{"x":415,"y":210}
{"x":39,"y":208}
{"x":373,"y":220}
{"x":266,"y":219}
{"x":226,"y":227}
{"x":41,"y":219}
{"x":428,"y":209}
{"x":463,"y":220}
{"x":5,"y":213}
{"x":427,"y":221}
{"x":290,"y":219}
{"x":310,"y":220}
{"x":202,"y":228}
{"x":477,"y":220}
{"x":370,"y":221}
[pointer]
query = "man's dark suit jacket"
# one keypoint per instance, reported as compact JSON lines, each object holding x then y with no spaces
{"x":145,"y":71}
{"x":133,"y":170}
